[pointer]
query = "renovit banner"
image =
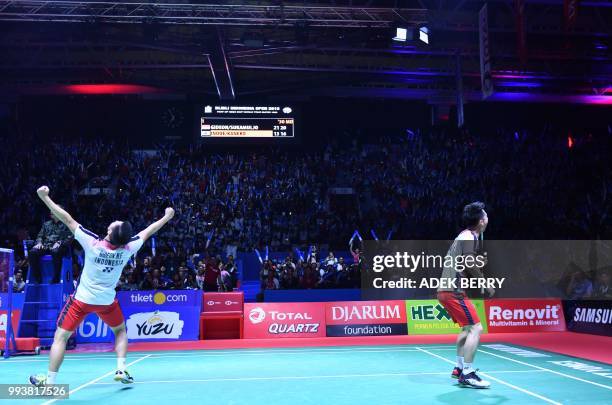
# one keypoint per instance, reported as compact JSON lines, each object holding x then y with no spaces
{"x":161,"y":315}
{"x":543,"y":315}
{"x":429,"y":317}
{"x":366,"y":318}
{"x":272,"y":320}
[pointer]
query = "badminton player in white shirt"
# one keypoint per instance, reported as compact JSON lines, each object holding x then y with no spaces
{"x":105,"y":259}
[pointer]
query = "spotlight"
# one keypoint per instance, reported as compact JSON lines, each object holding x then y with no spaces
{"x":401,"y":34}
{"x":424,"y":35}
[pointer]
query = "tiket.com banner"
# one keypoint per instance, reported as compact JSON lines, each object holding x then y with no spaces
{"x":161,"y":315}
{"x":589,"y":316}
{"x":272,"y":320}
{"x":429,"y":317}
{"x":544,"y":315}
{"x":366,"y":318}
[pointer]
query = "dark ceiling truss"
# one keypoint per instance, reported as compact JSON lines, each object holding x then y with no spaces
{"x":171,"y":46}
{"x":207,"y":14}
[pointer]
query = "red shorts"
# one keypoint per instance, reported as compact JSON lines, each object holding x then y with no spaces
{"x":459,"y":307}
{"x":75,"y":311}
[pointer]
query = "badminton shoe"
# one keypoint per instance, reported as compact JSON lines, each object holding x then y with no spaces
{"x":38,"y":380}
{"x":124,"y":377}
{"x":472,"y":380}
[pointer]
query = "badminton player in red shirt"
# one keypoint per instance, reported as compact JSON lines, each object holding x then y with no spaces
{"x":456,"y":303}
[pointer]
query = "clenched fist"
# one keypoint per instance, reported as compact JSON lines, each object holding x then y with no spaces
{"x":43,"y":191}
{"x":170,"y":212}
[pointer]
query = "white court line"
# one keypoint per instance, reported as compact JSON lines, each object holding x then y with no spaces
{"x":80,"y":387}
{"x":278,"y":350}
{"x":533,"y":394}
{"x":229,"y":353}
{"x":547,"y":369}
{"x":287,"y":352}
{"x":307,"y":377}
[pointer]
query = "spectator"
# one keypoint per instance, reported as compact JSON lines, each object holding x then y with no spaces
{"x":342,"y":274}
{"x":190,"y":282}
{"x":147,"y":282}
{"x":289,"y":278}
{"x":18,"y":284}
{"x":232,"y":269}
{"x":156,"y":280}
{"x":211,"y":275}
{"x":177,"y":282}
{"x":310,"y":278}
{"x":146,"y":266}
{"x":224,"y":282}
{"x":580,"y":287}
{"x":121,"y":283}
{"x":266,"y":269}
{"x":331,"y":260}
{"x":271,"y":281}
{"x":201,"y":275}
{"x":165,"y":279}
{"x":602,"y":286}
{"x":131,"y":284}
{"x":356,"y":255}
{"x":53,"y":238}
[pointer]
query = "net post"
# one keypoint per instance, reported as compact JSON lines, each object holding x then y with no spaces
{"x":10,"y":335}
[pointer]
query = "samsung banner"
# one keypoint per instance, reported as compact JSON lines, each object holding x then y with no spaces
{"x":589,"y":316}
{"x":150,"y":316}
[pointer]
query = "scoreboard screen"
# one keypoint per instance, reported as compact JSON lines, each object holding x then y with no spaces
{"x":246,"y":121}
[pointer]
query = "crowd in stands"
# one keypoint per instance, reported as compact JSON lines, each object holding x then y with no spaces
{"x":407,"y":187}
{"x":331,"y":272}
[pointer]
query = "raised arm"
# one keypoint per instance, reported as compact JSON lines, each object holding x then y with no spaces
{"x":157,"y":225}
{"x":59,"y":212}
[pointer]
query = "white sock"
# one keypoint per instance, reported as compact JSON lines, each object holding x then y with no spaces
{"x":121,"y":363}
{"x":460,"y":361}
{"x":51,"y":377}
{"x":467,"y":368}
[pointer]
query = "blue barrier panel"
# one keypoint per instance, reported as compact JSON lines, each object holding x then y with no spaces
{"x":17,"y":301}
{"x":93,"y":330}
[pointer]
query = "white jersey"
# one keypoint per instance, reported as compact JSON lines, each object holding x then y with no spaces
{"x":103,"y":266}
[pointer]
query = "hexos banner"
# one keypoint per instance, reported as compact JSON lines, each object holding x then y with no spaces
{"x":428,"y":317}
